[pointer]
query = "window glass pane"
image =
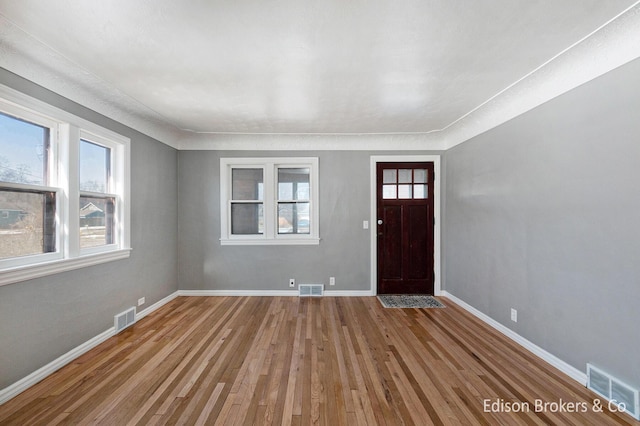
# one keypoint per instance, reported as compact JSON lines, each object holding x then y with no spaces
{"x":247,"y":184}
{"x":293,"y":218}
{"x":293,"y":184}
{"x":247,"y":218}
{"x":389,"y":192}
{"x":27,"y":223}
{"x":23,"y":151}
{"x":419,"y":191}
{"x":404,"y":191}
{"x":95,"y":167}
{"x":404,"y":176}
{"x":96,"y":221}
{"x":389,"y":176}
{"x":420,"y":176}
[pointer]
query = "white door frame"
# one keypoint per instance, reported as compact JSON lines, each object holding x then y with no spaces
{"x":373,"y":228}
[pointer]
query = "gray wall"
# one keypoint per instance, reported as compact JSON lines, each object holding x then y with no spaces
{"x":542,"y":215}
{"x":44,"y":318}
{"x":344,"y":250}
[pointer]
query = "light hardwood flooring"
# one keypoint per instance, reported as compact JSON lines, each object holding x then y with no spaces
{"x":288,"y":360}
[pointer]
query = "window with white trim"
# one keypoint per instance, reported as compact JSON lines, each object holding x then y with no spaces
{"x":269,"y":201}
{"x":63,"y":190}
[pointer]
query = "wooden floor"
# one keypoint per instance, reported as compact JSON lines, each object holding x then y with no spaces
{"x":288,"y":360}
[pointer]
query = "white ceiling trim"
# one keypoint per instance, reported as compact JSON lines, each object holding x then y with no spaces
{"x":30,"y":58}
{"x":612,"y":45}
{"x":312,"y":142}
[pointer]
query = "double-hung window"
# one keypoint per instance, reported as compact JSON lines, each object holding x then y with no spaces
{"x":269,"y":201}
{"x":64,"y":190}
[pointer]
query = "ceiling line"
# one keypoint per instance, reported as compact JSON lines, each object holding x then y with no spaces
{"x":543,"y":65}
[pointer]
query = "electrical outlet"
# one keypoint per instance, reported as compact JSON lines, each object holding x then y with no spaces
{"x":141,"y":301}
{"x":514,"y":315}
{"x":292,"y":282}
{"x":332,"y":280}
{"x":365,"y":224}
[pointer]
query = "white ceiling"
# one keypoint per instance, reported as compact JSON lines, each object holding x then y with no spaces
{"x":295,"y":66}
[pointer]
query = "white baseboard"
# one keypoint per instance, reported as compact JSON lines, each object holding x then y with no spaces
{"x":33,"y":378}
{"x":569,"y":370}
{"x":237,"y":292}
{"x":348,"y":293}
{"x":23,"y":384}
{"x":328,"y":293}
{"x":143,"y":313}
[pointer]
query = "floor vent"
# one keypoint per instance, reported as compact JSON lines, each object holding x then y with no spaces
{"x":311,"y":290}
{"x":621,"y":395}
{"x":124,"y":319}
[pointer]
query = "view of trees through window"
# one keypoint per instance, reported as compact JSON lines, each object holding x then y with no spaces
{"x":27,"y":210}
{"x":64,"y":190}
{"x":25,"y":214}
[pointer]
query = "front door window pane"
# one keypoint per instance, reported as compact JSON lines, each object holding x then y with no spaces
{"x":23,"y":151}
{"x":389,"y":192}
{"x":420,"y":176}
{"x":404,"y":191}
{"x":404,"y":176}
{"x":94,"y":167}
{"x":420,"y":191}
{"x":389,"y":176}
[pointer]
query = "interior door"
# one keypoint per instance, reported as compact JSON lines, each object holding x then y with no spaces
{"x":405,"y":226}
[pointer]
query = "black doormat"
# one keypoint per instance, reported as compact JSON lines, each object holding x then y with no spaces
{"x":409,"y":301}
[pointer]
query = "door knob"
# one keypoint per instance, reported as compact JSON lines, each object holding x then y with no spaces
{"x":379,"y":221}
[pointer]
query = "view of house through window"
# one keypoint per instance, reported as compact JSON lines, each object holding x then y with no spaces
{"x":96,"y":221}
{"x":97,"y":207}
{"x":64,"y":190}
{"x":27,"y":208}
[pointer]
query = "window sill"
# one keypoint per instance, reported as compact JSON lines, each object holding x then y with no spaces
{"x":276,"y":242}
{"x":28,"y":272}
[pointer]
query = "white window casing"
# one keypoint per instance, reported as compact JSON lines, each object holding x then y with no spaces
{"x":270,"y":234}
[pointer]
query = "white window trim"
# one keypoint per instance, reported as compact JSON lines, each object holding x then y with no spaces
{"x":270,"y":236}
{"x":63,"y":179}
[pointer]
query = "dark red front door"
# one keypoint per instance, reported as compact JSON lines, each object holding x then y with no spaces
{"x":405,"y":228}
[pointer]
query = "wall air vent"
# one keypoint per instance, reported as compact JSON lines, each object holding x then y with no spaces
{"x":620,"y":394}
{"x":124,"y":319}
{"x":311,"y":290}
